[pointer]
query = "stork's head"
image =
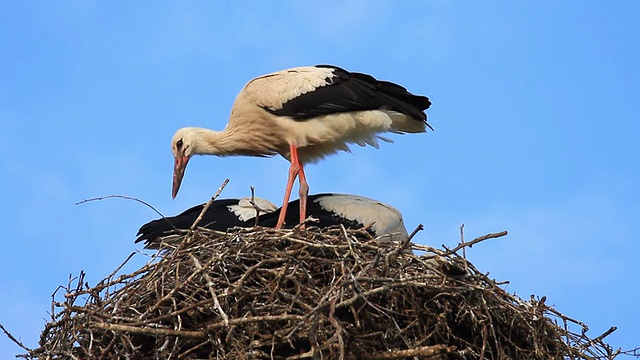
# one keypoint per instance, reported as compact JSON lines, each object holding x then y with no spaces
{"x":182,"y":146}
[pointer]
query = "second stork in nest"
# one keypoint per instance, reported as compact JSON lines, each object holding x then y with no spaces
{"x":352,"y":211}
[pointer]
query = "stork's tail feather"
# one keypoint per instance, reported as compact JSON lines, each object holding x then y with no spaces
{"x":405,"y":124}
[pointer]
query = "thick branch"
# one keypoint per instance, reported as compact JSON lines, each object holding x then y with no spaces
{"x":419,"y":351}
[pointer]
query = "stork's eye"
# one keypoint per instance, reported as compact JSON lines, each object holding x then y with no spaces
{"x":179,"y":144}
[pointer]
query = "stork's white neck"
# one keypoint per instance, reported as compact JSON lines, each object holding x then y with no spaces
{"x":232,"y":141}
{"x":220,"y":143}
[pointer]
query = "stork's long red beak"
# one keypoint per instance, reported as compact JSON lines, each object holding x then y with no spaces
{"x":179,"y":165}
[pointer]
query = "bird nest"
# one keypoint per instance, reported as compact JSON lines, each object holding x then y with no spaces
{"x":312,"y":293}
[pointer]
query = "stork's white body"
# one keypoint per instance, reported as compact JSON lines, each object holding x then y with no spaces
{"x":383,"y":218}
{"x":305,"y":114}
{"x":315,"y":137}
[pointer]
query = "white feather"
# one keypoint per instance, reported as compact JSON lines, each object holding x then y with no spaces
{"x":385,"y":218}
{"x":325,"y":135}
{"x":245,"y":210}
{"x":287,"y":84}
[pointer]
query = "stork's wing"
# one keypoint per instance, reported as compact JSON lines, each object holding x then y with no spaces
{"x":325,"y":217}
{"x":343,"y":91}
{"x":217,"y":217}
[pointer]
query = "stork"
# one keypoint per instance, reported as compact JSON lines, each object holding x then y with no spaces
{"x":304,"y":114}
{"x":221,"y":215}
{"x":352,"y":211}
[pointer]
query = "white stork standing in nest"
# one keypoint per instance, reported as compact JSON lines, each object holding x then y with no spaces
{"x":304,"y":114}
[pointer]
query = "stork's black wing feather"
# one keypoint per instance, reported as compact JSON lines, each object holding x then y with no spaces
{"x":346,"y":91}
{"x":217,"y":217}
{"x":292,"y":218}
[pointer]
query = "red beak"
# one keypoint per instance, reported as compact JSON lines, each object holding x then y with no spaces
{"x":179,"y":165}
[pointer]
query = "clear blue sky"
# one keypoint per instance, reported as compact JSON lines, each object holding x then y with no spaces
{"x":536,"y":110}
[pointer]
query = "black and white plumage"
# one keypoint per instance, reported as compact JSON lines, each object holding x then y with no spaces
{"x":305,"y":114}
{"x":352,"y":211}
{"x":221,"y":215}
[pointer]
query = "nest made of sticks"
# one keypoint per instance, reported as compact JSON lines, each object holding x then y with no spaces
{"x":306,"y":293}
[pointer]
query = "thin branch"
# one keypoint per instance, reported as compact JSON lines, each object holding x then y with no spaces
{"x":405,"y":243}
{"x":256,"y":319}
{"x":635,"y":352}
{"x":600,"y":338}
{"x":206,"y":206}
{"x":114,"y":272}
{"x":256,"y":219}
{"x":149,"y":331}
{"x":464,"y":251}
{"x":418,"y":228}
{"x":16,"y":341}
{"x":474,"y":241}
{"x":216,"y":303}
{"x":121,"y":197}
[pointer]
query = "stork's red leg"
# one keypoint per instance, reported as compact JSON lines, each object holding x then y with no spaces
{"x":304,"y":192}
{"x":294,"y":170}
